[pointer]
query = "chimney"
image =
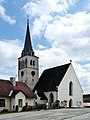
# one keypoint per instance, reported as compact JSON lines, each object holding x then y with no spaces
{"x":13,"y":81}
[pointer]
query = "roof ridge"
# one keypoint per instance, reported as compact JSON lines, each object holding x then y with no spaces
{"x":57,"y":66}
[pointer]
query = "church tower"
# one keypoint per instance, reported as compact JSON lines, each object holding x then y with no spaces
{"x":28,"y":68}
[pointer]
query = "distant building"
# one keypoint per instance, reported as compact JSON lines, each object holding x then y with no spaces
{"x":86,"y":100}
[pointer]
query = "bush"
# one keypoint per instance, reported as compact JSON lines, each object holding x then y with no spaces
{"x":40,"y":106}
{"x":57,"y":104}
{"x":27,"y":108}
{"x":4,"y":110}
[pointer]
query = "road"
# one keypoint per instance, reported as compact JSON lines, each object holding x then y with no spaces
{"x":56,"y":114}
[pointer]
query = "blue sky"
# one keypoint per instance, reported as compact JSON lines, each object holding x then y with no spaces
{"x":60,"y":31}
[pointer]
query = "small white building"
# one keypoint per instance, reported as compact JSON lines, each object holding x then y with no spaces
{"x":60,"y":83}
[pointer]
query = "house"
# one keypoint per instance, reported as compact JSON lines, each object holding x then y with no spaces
{"x":14,"y":94}
{"x":60,"y":83}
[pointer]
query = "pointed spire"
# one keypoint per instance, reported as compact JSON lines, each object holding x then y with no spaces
{"x":27,"y":46}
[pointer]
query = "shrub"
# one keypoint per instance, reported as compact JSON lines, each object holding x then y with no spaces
{"x":4,"y":110}
{"x":27,"y":108}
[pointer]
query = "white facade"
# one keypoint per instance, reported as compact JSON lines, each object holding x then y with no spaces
{"x":69,"y":90}
{"x":54,"y":93}
{"x":76,"y":98}
{"x":28,"y":70}
{"x":20,"y":96}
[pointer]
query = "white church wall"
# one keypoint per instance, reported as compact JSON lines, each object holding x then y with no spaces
{"x":32,"y":65}
{"x":63,"y":89}
{"x":31,"y":102}
{"x":55,"y":95}
{"x":12,"y":104}
{"x":21,"y":96}
{"x":39,"y":101}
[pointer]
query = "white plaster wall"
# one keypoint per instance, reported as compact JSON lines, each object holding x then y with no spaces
{"x":27,"y":77}
{"x":28,"y":61}
{"x":12,"y":103}
{"x":20,"y":95}
{"x":31,"y":102}
{"x":54,"y":94}
{"x":38,"y":101}
{"x":63,"y":89}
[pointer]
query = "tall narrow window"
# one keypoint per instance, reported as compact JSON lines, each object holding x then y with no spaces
{"x":26,"y":62}
{"x":33,"y":63}
{"x":71,"y":88}
{"x":51,"y":97}
{"x":20,"y":102}
{"x":70,"y":103}
{"x":30,"y":62}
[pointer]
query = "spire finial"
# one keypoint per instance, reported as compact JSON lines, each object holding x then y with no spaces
{"x":70,"y":61}
{"x":27,"y":19}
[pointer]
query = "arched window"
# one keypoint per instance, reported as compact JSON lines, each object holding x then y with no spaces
{"x":51,"y":97}
{"x":33,"y":63}
{"x":70,"y":88}
{"x":26,"y":62}
{"x":22,"y":74}
{"x":30,"y":62}
{"x":23,"y":64}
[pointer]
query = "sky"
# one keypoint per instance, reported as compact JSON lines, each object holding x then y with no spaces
{"x":60,"y":32}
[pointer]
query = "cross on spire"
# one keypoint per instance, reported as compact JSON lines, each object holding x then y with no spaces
{"x":27,"y":19}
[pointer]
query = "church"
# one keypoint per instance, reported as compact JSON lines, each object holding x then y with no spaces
{"x":58,"y":83}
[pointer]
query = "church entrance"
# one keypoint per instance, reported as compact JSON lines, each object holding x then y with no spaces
{"x":51,"y":99}
{"x":70,"y":103}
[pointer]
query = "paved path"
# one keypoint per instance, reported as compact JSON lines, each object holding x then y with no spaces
{"x":56,"y":114}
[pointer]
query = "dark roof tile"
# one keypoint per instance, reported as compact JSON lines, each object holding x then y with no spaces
{"x":51,"y":78}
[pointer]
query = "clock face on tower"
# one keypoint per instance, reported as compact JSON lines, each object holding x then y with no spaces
{"x":33,"y":73}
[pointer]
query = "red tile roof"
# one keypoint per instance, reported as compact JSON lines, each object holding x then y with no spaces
{"x":6,"y":86}
{"x":25,"y":89}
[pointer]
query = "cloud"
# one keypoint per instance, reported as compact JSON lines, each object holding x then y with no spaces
{"x":41,"y":24}
{"x":67,"y":31}
{"x":4,"y":16}
{"x":44,"y":10}
{"x":71,"y":34}
{"x":41,"y":47}
{"x":51,"y":57}
{"x":10,"y":50}
{"x":41,"y":7}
